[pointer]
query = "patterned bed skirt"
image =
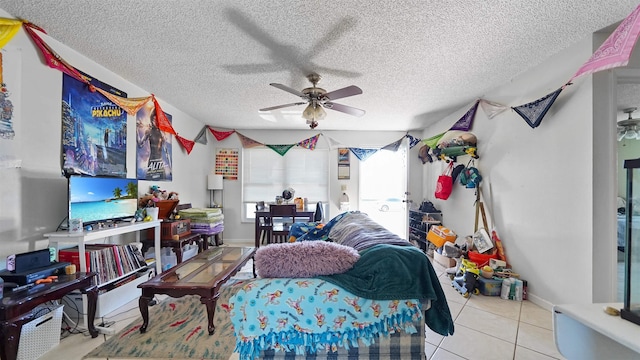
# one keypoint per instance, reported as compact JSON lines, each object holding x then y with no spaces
{"x":397,"y":346}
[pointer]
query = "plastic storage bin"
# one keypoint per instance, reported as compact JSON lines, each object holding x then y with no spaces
{"x":490,"y":287}
{"x":481,"y":259}
{"x":40,"y":334}
{"x":168,"y":257}
{"x":438,"y":235}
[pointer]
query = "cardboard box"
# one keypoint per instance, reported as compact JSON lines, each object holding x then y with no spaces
{"x":445,"y":262}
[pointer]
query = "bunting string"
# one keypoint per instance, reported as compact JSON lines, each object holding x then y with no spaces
{"x":614,"y":52}
{"x":8,"y":29}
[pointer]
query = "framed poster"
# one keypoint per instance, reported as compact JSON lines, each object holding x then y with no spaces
{"x":343,"y":156}
{"x":9,"y":90}
{"x":344,"y":164}
{"x":153,"y":155}
{"x":94,"y":130}
{"x":344,"y":172}
{"x":227,"y":163}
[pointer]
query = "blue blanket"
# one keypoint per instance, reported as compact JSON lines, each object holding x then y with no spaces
{"x":307,"y":315}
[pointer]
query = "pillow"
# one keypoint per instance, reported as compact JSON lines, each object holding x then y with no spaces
{"x":304,"y":259}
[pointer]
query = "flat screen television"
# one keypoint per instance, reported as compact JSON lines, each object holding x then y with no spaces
{"x":98,"y":199}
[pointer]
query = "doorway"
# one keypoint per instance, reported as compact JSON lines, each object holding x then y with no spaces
{"x":383,"y":184}
{"x":627,"y":100}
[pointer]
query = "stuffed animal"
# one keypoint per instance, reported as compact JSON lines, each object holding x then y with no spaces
{"x":147,"y":200}
{"x":172,"y":196}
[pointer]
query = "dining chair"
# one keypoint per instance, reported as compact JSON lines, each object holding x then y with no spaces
{"x":318,"y":216}
{"x":264,"y":223}
{"x":281,"y":217}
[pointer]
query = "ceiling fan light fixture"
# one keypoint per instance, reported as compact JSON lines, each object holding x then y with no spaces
{"x":314,"y":112}
{"x":317,"y":99}
{"x":631,"y":134}
{"x":628,"y":128}
{"x":319,"y":113}
{"x":312,"y":124}
{"x":621,"y":135}
{"x":308,"y":112}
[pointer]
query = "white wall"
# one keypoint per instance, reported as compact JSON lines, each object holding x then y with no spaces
{"x":541,"y":180}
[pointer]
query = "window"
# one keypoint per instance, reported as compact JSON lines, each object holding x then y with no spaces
{"x":265,"y":174}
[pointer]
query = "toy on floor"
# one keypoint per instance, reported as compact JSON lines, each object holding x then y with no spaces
{"x":466,"y":280}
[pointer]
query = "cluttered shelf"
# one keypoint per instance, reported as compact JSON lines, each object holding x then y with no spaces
{"x":420,"y":221}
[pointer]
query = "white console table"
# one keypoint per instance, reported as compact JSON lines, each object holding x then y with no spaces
{"x":585,"y":331}
{"x":80,"y":239}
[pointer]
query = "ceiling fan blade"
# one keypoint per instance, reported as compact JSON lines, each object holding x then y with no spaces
{"x":344,"y":108}
{"x":281,"y":106}
{"x":289,"y":90}
{"x":343,"y":93}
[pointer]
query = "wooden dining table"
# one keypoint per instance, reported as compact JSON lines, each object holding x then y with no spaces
{"x":265,"y":214}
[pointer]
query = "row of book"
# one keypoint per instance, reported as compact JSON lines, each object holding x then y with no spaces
{"x":109,"y":261}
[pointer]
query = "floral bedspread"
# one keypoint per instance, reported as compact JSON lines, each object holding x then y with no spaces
{"x":310,"y":314}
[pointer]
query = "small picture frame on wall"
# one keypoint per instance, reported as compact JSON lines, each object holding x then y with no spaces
{"x":344,"y":172}
{"x":343,"y":156}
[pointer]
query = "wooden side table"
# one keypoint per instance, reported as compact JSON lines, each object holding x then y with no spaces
{"x":206,"y":233}
{"x":16,"y":307}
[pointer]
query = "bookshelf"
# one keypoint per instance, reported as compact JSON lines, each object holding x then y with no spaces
{"x":108,"y":300}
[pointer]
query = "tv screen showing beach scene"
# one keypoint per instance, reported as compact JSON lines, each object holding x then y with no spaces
{"x":95,"y":199}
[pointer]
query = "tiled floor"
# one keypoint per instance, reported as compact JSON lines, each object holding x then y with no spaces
{"x":488,"y":327}
{"x":485,"y":328}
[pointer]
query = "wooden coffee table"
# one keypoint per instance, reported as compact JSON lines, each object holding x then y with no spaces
{"x":201,"y":275}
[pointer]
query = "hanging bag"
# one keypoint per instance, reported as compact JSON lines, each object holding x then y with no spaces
{"x":445,"y":183}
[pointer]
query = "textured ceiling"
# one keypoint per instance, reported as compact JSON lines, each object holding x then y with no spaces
{"x":415,"y":61}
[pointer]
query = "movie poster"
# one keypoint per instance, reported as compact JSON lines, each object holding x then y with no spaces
{"x":94,"y":130}
{"x":153,"y":147}
{"x":7,"y":89}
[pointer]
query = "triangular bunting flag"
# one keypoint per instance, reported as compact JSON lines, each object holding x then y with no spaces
{"x":201,"y":138}
{"x":221,"y":135}
{"x":246,"y":142}
{"x":309,"y":143}
{"x":333,"y":143}
{"x":52,"y":58}
{"x":363,"y":154}
{"x":187,"y":144}
{"x":163,"y":123}
{"x":533,"y":112}
{"x":8,"y":29}
{"x":412,"y":141}
{"x":616,"y":50}
{"x":491,"y":109}
{"x":130,"y":105}
{"x":280,"y":149}
{"x":394,"y":146}
{"x":433,"y":141}
{"x":466,"y":121}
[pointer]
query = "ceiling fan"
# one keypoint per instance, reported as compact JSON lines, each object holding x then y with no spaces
{"x":629,"y":128}
{"x":319,"y":99}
